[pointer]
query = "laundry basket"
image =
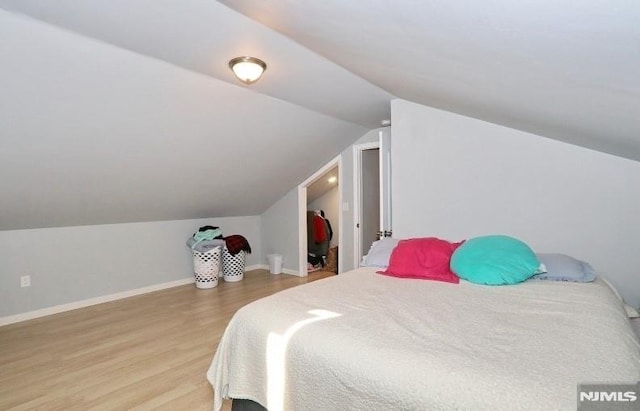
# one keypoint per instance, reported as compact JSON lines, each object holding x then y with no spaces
{"x":233,"y":265}
{"x":206,"y":265}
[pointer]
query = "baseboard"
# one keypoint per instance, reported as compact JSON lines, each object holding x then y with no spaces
{"x":293,"y":272}
{"x":266,"y":267}
{"x":256,"y":267}
{"x":30,"y":315}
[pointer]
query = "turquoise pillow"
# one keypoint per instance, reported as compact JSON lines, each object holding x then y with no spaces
{"x":494,"y":260}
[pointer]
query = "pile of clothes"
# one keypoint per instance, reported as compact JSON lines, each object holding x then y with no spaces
{"x":208,"y":237}
{"x":236,"y":243}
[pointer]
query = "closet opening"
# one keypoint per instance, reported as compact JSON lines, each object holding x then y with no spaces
{"x":319,"y":200}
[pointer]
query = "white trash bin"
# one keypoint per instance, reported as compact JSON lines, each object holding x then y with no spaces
{"x":275,"y":263}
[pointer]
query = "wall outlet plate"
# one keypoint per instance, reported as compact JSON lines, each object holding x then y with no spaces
{"x":25,"y":281}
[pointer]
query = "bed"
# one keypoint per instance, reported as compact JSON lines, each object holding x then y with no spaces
{"x":361,"y":340}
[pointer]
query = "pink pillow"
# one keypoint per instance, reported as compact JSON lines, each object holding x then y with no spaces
{"x":423,"y":258}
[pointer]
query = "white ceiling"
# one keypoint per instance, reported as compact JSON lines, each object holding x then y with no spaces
{"x":130,"y":112}
{"x":92,"y":133}
{"x":203,"y":35}
{"x":558,"y":68}
{"x":322,"y":185}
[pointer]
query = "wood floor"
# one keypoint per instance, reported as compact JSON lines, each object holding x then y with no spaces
{"x":146,"y":352}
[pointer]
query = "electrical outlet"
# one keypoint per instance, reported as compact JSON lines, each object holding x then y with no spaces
{"x":25,"y":281}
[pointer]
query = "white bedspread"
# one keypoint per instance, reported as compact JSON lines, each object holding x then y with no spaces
{"x":361,"y":340}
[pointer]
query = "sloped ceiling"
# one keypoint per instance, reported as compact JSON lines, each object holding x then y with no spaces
{"x":562,"y":69}
{"x":323,"y":185}
{"x":120,"y":110}
{"x":104,"y":128}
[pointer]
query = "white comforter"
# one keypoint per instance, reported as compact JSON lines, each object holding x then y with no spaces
{"x":361,"y":340}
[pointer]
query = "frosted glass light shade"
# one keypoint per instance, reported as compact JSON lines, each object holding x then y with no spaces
{"x":247,"y":69}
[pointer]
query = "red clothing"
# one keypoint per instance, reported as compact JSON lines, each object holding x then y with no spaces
{"x":319,"y":231}
{"x":236,"y":243}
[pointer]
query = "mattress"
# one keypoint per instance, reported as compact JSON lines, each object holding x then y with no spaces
{"x":361,"y":340}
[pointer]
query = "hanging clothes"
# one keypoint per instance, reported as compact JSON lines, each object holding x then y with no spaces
{"x":310,"y":229}
{"x":318,"y":245}
{"x":328,"y":225}
{"x":319,"y":229}
{"x":317,"y":238}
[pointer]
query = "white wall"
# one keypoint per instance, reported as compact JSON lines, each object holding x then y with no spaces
{"x":279,"y":230}
{"x":329,"y":202}
{"x":71,"y":264}
{"x":457,"y":177}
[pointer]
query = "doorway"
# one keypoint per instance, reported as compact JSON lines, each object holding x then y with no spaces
{"x":369,"y":222}
{"x":372,"y":193}
{"x":323,"y":216}
{"x":321,"y":191}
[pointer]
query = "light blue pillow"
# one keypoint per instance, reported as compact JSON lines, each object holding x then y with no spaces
{"x":561,"y":267}
{"x":379,"y":253}
{"x":494,"y":260}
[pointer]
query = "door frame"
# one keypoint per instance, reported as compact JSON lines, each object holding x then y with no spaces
{"x":357,"y":197}
{"x":302,"y":213}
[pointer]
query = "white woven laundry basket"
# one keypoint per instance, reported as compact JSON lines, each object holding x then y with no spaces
{"x":233,"y":265}
{"x":206,"y":267}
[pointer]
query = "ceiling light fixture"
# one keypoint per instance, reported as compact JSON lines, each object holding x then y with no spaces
{"x":247,"y":69}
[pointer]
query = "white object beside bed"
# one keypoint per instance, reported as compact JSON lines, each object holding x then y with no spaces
{"x":635,"y":324}
{"x":361,"y":340}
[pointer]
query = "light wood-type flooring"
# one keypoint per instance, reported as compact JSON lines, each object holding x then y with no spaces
{"x":146,"y":352}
